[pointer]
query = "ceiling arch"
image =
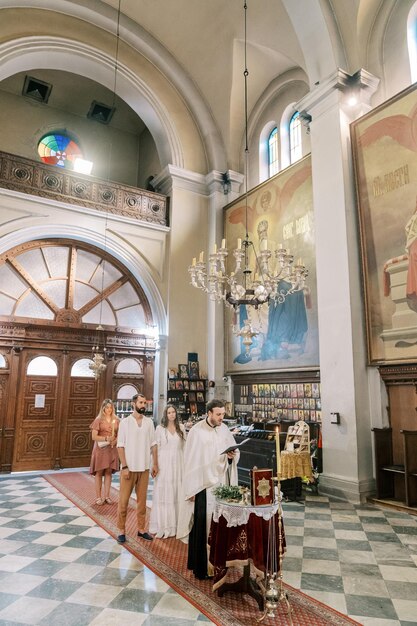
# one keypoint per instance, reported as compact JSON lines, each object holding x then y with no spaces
{"x":154,"y":108}
{"x":45,"y":52}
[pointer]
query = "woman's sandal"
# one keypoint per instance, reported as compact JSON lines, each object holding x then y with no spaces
{"x":99,"y":501}
{"x":108,"y":500}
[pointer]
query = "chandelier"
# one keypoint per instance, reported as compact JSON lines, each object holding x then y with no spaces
{"x":266,"y":276}
{"x":267,"y":281}
{"x":98,"y":365}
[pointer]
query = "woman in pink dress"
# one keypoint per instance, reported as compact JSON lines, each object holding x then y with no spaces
{"x":104,"y":459}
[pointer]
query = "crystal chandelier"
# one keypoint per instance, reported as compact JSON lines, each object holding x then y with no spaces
{"x":266,"y":276}
{"x":268,"y":281}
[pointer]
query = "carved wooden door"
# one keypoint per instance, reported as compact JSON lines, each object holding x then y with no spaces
{"x":54,"y":413}
{"x":38,"y":417}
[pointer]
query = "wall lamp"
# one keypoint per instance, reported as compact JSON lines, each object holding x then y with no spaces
{"x":226,"y":182}
{"x":306,"y":119}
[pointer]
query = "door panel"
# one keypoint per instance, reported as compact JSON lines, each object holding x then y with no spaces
{"x":35,"y":426}
{"x":80,"y":407}
{"x":4,"y":384}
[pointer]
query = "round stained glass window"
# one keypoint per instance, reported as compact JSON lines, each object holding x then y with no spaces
{"x":59,"y":150}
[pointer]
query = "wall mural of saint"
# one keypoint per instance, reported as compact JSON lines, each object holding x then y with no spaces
{"x":280,"y":211}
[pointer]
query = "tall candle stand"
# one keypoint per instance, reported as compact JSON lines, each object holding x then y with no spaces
{"x":274,"y":592}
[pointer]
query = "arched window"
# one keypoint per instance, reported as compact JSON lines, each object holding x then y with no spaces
{"x":58,"y":149}
{"x":412,"y":41}
{"x":129,"y":366}
{"x":273,"y":161}
{"x":296,"y":151}
{"x":42,"y":366}
{"x":2,"y":361}
{"x":82,"y":368}
{"x":126,"y":392}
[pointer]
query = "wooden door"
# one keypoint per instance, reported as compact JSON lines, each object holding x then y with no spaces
{"x":81,"y":401}
{"x":38,"y":417}
{"x":53,"y":415}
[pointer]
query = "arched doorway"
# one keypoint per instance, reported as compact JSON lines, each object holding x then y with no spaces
{"x":55,"y":294}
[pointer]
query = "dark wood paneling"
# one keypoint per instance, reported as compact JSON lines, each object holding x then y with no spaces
{"x":403,"y":401}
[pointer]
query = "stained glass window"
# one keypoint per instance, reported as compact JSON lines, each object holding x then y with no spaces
{"x":57,"y":149}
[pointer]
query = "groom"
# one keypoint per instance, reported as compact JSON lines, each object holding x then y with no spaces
{"x":135,"y":444}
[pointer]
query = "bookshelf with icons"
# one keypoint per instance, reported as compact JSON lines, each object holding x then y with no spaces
{"x":187,"y":389}
{"x":189,"y":396}
{"x":277,"y":402}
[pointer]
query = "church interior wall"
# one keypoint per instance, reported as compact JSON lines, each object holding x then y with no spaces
{"x":148,"y":161}
{"x":187,"y":310}
{"x":175,"y":134}
{"x":387,"y":52}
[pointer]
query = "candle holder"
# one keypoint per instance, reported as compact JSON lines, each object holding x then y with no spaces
{"x":274,"y":592}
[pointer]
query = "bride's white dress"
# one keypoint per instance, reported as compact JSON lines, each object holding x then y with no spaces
{"x":167,"y":484}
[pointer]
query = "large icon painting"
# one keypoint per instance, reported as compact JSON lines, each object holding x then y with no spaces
{"x":279,"y":211}
{"x":385,"y":151}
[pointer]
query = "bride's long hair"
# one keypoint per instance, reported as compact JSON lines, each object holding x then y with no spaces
{"x":164,"y":420}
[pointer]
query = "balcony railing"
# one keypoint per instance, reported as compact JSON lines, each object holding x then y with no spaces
{"x":46,"y":181}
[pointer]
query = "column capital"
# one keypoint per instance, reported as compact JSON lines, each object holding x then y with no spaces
{"x":176,"y":177}
{"x":179,"y":178}
{"x":338,"y":88}
{"x":228,"y":182}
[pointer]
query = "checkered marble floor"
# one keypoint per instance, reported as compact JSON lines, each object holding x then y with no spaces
{"x":58,"y":567}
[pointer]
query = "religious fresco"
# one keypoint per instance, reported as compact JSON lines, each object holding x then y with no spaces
{"x":280,"y":211}
{"x":385,"y":154}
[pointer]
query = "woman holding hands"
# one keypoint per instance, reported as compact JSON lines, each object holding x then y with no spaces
{"x":170,"y":439}
{"x":104,"y":459}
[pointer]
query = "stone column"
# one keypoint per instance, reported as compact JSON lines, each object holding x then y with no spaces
{"x":347,"y":449}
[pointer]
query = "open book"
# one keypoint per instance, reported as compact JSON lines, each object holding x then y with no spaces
{"x":235,"y":446}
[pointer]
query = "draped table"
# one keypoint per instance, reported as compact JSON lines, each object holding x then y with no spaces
{"x":241,"y":535}
{"x":295,"y":465}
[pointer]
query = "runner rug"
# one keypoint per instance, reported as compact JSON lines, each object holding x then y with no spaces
{"x":168,"y":559}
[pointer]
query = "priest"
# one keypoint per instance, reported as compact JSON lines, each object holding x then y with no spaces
{"x":206,"y":465}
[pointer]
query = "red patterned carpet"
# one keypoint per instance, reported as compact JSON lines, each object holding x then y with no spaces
{"x":168,"y":559}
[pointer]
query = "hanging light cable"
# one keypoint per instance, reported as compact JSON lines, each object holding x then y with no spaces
{"x":273,"y":277}
{"x":99,"y":350}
